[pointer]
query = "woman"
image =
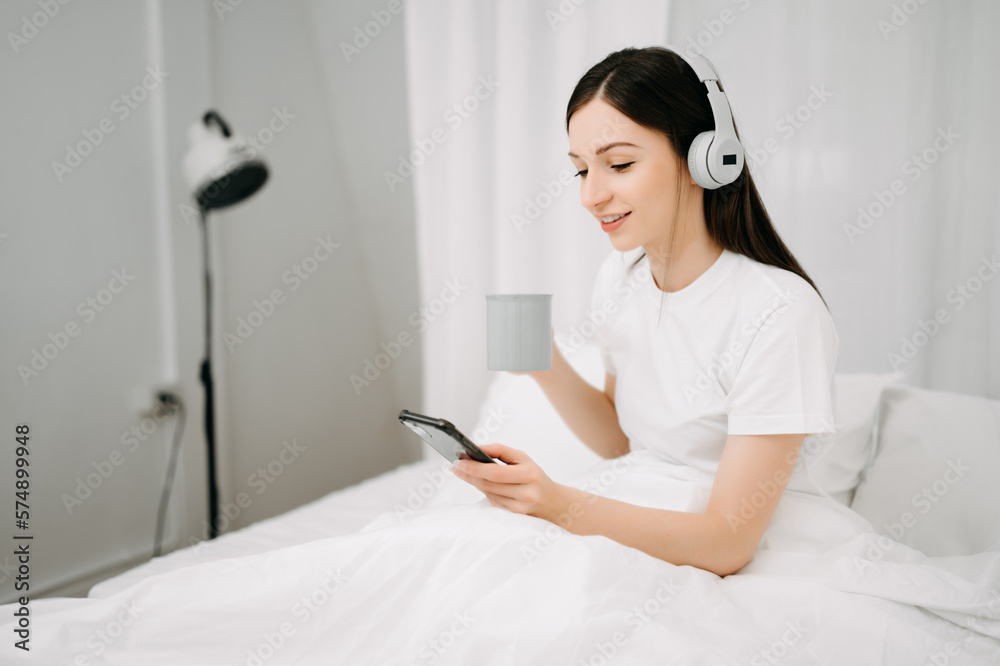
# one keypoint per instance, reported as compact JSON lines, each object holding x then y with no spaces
{"x":701,"y":423}
{"x":739,"y":370}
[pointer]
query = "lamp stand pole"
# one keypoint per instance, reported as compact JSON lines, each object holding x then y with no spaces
{"x":206,"y":380}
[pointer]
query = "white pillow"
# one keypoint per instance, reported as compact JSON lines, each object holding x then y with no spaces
{"x":933,"y":484}
{"x":837,"y":460}
{"x":517,"y":413}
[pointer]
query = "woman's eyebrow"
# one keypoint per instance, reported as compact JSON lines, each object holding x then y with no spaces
{"x":604,"y":149}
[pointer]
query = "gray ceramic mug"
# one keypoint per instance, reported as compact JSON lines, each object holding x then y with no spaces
{"x":519,"y":332}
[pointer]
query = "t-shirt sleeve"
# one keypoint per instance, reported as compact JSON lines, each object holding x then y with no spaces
{"x":784,"y":383}
{"x":602,"y":292}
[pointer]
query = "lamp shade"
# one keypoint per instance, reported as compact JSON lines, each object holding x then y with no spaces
{"x":221,"y":169}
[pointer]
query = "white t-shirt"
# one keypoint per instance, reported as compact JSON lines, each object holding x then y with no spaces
{"x":745,"y":349}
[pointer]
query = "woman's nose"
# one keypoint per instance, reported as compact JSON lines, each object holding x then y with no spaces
{"x":593,"y":192}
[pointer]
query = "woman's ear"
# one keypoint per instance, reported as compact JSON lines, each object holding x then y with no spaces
{"x":682,"y":167}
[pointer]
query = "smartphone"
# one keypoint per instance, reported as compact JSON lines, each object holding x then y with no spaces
{"x":443,"y":437}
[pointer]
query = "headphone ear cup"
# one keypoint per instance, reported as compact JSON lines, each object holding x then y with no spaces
{"x":698,"y":160}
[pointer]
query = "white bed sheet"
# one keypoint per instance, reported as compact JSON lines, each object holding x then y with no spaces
{"x":342,"y":512}
{"x":434,"y":574}
{"x":459,"y":582}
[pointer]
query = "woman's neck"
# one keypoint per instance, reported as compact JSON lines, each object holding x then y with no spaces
{"x":694,"y":256}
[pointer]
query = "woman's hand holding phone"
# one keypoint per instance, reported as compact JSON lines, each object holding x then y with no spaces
{"x":519,"y":486}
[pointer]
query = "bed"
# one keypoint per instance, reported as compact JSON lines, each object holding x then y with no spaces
{"x":919,"y":465}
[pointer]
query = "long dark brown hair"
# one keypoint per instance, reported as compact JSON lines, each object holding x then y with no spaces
{"x":658,"y":89}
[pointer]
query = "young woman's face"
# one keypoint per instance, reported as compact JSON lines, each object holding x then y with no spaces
{"x":625,"y":168}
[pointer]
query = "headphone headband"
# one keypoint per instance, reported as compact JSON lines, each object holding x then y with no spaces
{"x":701,"y":66}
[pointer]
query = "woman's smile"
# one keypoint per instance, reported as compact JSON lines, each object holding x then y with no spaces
{"x":611,"y":226}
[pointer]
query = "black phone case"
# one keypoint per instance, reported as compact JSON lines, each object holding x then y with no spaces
{"x":443,"y":437}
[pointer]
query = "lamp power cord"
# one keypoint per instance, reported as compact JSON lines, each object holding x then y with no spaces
{"x":172,"y":404}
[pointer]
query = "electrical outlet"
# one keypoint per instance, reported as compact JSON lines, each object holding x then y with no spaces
{"x":153,"y":404}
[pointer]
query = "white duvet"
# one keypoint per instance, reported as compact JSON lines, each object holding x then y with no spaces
{"x":468,"y":583}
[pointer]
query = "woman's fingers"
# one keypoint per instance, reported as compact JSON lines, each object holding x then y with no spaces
{"x":507,"y":454}
{"x":508,"y":490}
{"x":519,"y":486}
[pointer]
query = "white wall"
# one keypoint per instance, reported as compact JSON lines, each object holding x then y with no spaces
{"x":326,"y":167}
{"x":124,"y":207}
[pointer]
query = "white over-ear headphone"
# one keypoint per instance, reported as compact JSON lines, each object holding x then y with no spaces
{"x":715,"y":157}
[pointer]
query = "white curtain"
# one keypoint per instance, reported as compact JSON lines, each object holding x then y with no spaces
{"x":497,"y":209}
{"x":911,"y":94}
{"x":833,"y":101}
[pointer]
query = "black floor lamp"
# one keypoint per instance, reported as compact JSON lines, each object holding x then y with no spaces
{"x":221,"y":170}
